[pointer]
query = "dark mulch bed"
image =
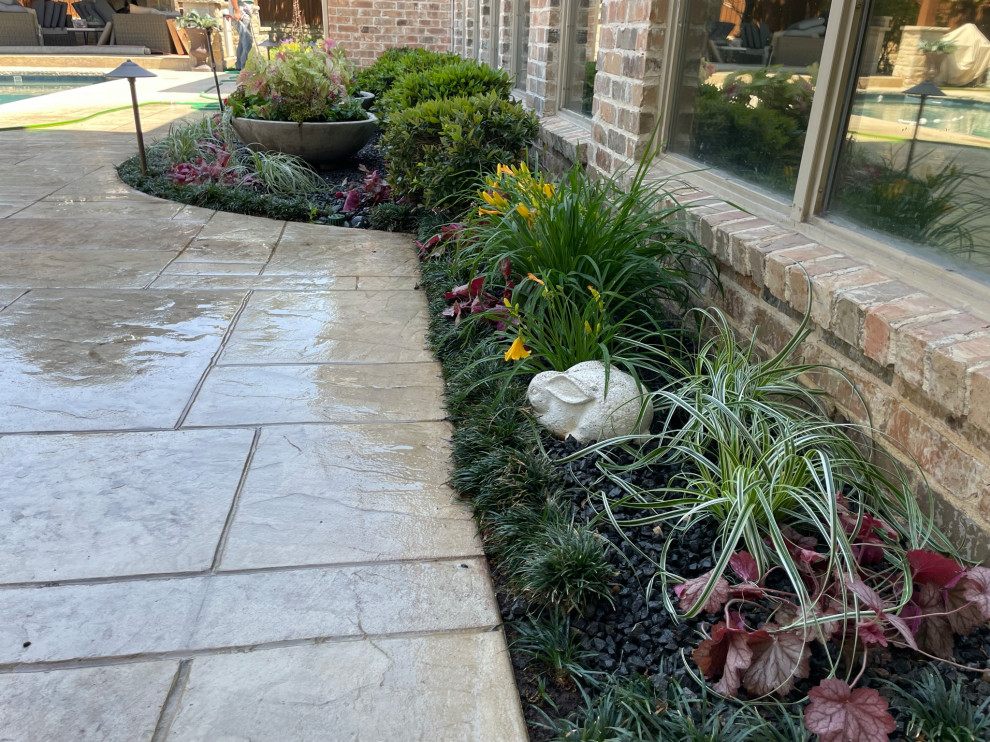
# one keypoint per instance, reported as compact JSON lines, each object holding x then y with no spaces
{"x":637,"y":633}
{"x":347,"y":176}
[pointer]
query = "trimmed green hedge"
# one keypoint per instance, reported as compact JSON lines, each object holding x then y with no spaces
{"x":439,"y":150}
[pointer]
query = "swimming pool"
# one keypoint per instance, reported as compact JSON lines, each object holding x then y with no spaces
{"x":15,"y":86}
{"x":954,"y":115}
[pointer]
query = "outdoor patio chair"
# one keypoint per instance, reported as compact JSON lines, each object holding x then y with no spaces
{"x":19,"y":29}
{"x":150,"y":30}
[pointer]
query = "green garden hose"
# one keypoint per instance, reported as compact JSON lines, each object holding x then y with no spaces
{"x":196,"y":106}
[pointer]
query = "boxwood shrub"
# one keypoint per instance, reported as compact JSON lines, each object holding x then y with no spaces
{"x":396,"y":62}
{"x":438,"y":150}
{"x":460,"y":79}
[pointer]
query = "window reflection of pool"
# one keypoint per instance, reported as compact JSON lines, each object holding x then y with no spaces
{"x":954,"y":115}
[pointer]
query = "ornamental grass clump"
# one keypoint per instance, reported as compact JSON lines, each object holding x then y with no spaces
{"x":204,"y":164}
{"x":938,"y":711}
{"x":820,"y":538}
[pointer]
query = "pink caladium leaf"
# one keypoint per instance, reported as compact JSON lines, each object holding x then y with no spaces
{"x":977,"y":589}
{"x":352,"y":201}
{"x":837,"y":713}
{"x":779,"y":658}
{"x":458,"y":292}
{"x":927,"y":566}
{"x":690,"y":591}
{"x":745,"y":566}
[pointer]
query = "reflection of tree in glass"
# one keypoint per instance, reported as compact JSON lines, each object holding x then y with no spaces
{"x":755,"y":124}
{"x":938,"y":208}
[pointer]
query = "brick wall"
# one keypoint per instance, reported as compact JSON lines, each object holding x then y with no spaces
{"x":628,"y":81}
{"x":921,"y":365}
{"x":367,"y":27}
{"x":543,"y":67}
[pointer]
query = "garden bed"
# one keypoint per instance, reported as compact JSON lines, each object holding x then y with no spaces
{"x":780,"y":576}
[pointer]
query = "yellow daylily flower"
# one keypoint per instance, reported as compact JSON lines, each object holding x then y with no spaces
{"x":505,"y":300}
{"x":495,"y":199}
{"x":504,"y":170}
{"x":549,"y":190}
{"x":531,"y":277}
{"x":587,"y":327}
{"x":597,"y":297}
{"x":517,"y":351}
{"x":524,"y":211}
{"x":482,"y":212}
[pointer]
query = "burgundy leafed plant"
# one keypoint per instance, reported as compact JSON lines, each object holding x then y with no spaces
{"x":766,"y":658}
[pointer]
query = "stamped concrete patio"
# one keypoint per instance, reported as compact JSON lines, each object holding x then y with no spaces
{"x":223,"y":502}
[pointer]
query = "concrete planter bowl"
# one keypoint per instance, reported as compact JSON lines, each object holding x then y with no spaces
{"x":318,"y":143}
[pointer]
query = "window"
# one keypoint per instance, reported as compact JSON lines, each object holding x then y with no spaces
{"x":747,"y":77}
{"x":581,"y":50}
{"x":914,"y":148}
{"x":829,"y":114}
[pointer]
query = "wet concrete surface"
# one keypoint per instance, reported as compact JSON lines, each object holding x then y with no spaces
{"x":223,"y":465}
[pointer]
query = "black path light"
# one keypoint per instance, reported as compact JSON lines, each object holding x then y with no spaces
{"x":213,"y":64}
{"x":131,"y":71}
{"x":924,"y":90}
{"x":267,"y":45}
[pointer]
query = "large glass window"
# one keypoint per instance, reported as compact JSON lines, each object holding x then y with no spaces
{"x":581,"y":48}
{"x":914,"y":157}
{"x":748,"y":72}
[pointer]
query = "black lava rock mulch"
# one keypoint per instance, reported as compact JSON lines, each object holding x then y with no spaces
{"x":635,"y":634}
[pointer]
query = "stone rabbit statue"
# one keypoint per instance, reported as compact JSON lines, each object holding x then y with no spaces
{"x":574,"y":402}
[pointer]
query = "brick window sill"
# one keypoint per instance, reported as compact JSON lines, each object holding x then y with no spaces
{"x":921,"y":360}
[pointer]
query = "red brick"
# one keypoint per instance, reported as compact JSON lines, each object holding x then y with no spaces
{"x":914,"y":343}
{"x":825,"y":287}
{"x":978,"y":403}
{"x":798,"y":276}
{"x":883,"y":319}
{"x":942,"y":460}
{"x":851,"y":305}
{"x":950,"y":371}
{"x":778,"y":262}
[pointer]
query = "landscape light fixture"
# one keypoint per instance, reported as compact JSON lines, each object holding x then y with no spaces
{"x":267,"y":45}
{"x":924,"y":90}
{"x":131,"y":71}
{"x":213,"y":64}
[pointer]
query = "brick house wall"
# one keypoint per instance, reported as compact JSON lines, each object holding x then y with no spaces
{"x":368,"y":27}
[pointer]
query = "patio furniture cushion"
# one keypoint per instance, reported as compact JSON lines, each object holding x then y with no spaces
{"x":19,"y":29}
{"x":103,"y":9}
{"x":143,"y":30}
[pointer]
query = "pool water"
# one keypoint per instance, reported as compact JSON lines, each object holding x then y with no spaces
{"x":954,"y":115}
{"x":28,"y":85}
